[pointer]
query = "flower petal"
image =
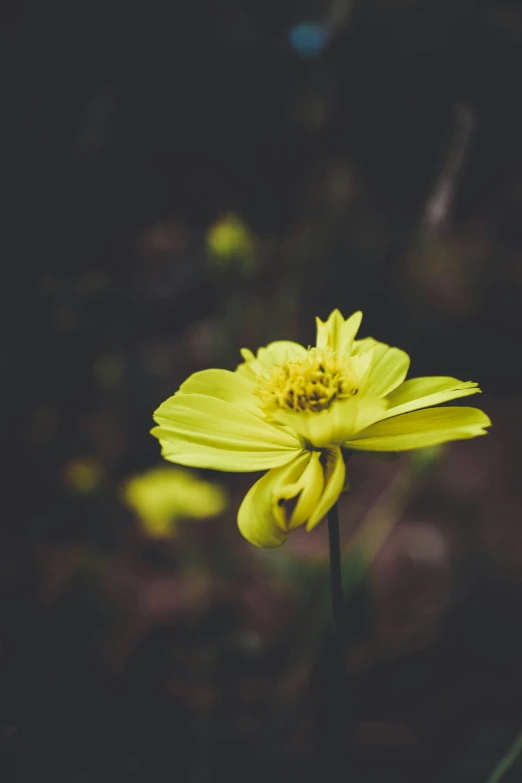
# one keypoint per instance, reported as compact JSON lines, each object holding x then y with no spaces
{"x":255,"y":520}
{"x":267,"y":357}
{"x":315,"y":479}
{"x":334,"y":477}
{"x":309,"y":488}
{"x":280,"y":351}
{"x":224,"y":385}
{"x":334,"y":426}
{"x":338,"y":333}
{"x":261,"y":518}
{"x":207,"y":432}
{"x":249,"y":368}
{"x":361,"y":346}
{"x":389,"y":368}
{"x":426,"y":392}
{"x":427,"y":427}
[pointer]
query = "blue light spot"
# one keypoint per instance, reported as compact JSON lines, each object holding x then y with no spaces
{"x":308,"y":38}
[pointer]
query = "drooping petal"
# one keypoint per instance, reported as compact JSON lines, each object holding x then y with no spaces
{"x":426,"y":392}
{"x":255,"y":519}
{"x":314,"y":480}
{"x":421,"y":428}
{"x":308,"y":489}
{"x":334,"y":478}
{"x":389,"y":369}
{"x":269,"y":356}
{"x":206,"y":432}
{"x":338,"y":333}
{"x":261,"y":518}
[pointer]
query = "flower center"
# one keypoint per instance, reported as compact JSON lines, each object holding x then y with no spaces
{"x":310,"y":383}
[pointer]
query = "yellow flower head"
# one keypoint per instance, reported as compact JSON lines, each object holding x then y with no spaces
{"x":291,"y":411}
{"x":162,"y":496}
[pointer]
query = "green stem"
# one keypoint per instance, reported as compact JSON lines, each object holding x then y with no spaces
{"x":337,"y":737}
{"x":507,"y":761}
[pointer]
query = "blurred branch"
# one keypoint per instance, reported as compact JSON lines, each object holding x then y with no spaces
{"x":440,"y":202}
{"x":507,"y":761}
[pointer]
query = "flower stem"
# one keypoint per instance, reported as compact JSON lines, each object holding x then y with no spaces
{"x":337,"y":737}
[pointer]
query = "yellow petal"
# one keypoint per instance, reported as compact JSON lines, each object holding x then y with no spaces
{"x":248,"y":368}
{"x":389,"y":369}
{"x":361,"y":346}
{"x":336,"y":424}
{"x":261,"y":518}
{"x":309,"y":488}
{"x":207,"y":432}
{"x":338,"y":333}
{"x":426,"y":392}
{"x":418,"y":429}
{"x":271,"y":355}
{"x":314,"y":479}
{"x":254,"y":519}
{"x":334,"y":478}
{"x":224,"y":385}
{"x":279,"y":352}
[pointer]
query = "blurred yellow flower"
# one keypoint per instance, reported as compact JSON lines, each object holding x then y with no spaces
{"x":162,"y":496}
{"x":292,"y":411}
{"x":230,"y":240}
{"x":83,"y":474}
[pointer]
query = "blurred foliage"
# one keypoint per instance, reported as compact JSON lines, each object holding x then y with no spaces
{"x":186,"y":181}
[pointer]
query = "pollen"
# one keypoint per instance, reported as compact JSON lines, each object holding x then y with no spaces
{"x":311,"y":383}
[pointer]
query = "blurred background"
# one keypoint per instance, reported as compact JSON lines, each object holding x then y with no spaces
{"x":187,"y":179}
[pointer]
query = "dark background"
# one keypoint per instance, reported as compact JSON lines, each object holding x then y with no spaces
{"x":380,"y":170}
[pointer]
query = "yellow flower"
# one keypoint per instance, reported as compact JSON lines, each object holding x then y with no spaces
{"x":292,"y":410}
{"x":161,"y":496}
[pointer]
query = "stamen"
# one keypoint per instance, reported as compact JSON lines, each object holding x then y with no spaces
{"x":311,"y":383}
